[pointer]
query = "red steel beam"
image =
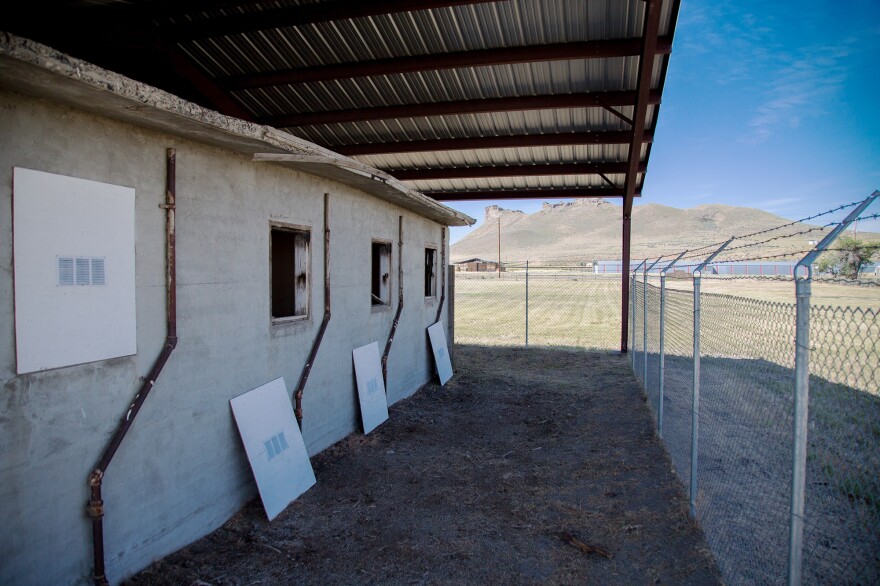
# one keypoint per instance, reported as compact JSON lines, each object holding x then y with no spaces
{"x":507,"y":171}
{"x":300,"y":15}
{"x":187,"y":69}
{"x":581,"y":100}
{"x":490,"y":142}
{"x":643,"y":91}
{"x":474,"y":195}
{"x":458,"y":59}
{"x":624,"y":292}
{"x":643,"y":99}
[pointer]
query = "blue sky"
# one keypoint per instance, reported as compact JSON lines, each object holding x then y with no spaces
{"x":768,"y":104}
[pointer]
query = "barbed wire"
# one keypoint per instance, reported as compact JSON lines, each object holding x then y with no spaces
{"x":768,"y":240}
{"x":780,"y":227}
{"x":727,"y":251}
{"x":790,"y":279}
{"x":766,"y":257}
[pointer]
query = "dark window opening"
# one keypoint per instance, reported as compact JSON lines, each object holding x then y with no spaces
{"x":381,"y":273}
{"x":430,"y":272}
{"x":290,"y":273}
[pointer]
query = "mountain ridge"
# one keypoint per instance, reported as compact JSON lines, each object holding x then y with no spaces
{"x":590,"y":229}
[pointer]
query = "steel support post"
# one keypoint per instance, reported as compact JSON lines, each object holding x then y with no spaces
{"x":645,"y":324}
{"x":695,"y":403}
{"x":625,"y":286}
{"x":803,"y":286}
{"x":527,"y":304}
{"x":663,"y":342}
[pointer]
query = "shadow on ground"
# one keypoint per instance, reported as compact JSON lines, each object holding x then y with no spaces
{"x":531,"y":466}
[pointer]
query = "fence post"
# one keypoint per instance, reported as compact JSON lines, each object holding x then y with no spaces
{"x":527,"y":304}
{"x":662,"y":342}
{"x":645,"y":324}
{"x":695,"y":403}
{"x":632,"y":325}
{"x":803,"y":286}
{"x":450,"y":308}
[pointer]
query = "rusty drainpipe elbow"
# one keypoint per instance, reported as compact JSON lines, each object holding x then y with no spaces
{"x":95,"y":505}
{"x":307,"y":369}
{"x":442,"y":272}
{"x":95,"y":511}
{"x":396,"y":321}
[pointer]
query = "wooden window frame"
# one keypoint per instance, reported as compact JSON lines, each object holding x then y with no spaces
{"x":300,"y":277}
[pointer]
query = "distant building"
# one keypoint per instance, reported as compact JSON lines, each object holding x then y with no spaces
{"x":477,"y":265}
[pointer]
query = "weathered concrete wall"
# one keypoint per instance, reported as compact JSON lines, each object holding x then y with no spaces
{"x":181,"y":471}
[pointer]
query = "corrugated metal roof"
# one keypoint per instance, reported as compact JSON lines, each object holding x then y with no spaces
{"x":466,"y":125}
{"x":223,"y":42}
{"x":509,"y":156}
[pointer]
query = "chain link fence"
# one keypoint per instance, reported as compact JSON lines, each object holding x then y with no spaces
{"x":768,"y":406}
{"x":562,"y":306}
{"x":745,"y":410}
{"x":745,"y":427}
{"x":842,"y":505}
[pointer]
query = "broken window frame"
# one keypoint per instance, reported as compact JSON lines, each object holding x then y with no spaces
{"x":290,"y":287}
{"x":380,"y":273}
{"x":430,"y":271}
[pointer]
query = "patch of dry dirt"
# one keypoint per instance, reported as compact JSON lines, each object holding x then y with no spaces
{"x":532,"y":466}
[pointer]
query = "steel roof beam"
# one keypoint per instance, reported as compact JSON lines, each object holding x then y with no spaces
{"x":507,"y":171}
{"x":459,"y":59}
{"x":287,"y":16}
{"x":490,"y":142}
{"x":201,"y":82}
{"x":581,"y":100}
{"x":477,"y":194}
{"x":643,"y":100}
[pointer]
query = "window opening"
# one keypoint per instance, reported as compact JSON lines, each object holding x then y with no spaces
{"x":290,"y":272}
{"x":430,"y":272}
{"x":381,"y":273}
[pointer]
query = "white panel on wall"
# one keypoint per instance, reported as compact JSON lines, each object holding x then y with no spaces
{"x":74,"y":270}
{"x":273,"y":444}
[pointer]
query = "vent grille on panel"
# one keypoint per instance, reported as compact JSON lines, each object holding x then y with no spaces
{"x":81,"y":271}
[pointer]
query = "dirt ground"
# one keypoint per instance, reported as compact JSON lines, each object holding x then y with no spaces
{"x":532,"y":466}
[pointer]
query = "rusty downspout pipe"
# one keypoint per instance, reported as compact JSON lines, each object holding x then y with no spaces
{"x":399,"y":302}
{"x":95,"y":506}
{"x":443,"y":272}
{"x":307,"y":369}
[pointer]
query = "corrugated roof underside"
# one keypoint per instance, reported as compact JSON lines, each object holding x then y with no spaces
{"x":443,"y":30}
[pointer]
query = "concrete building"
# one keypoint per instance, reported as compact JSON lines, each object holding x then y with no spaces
{"x":83,"y":305}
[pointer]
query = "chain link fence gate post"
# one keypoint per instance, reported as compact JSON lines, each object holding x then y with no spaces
{"x":803,"y":286}
{"x":695,"y":402}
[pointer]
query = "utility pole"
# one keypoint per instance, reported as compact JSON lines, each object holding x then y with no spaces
{"x":499,"y":247}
